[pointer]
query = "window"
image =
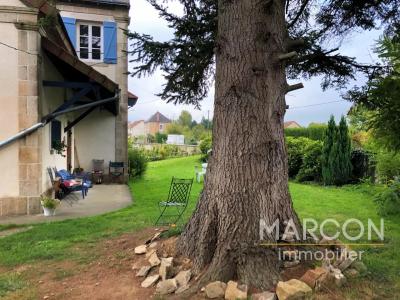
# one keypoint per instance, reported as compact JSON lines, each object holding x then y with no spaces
{"x":161,"y":127}
{"x":90,"y":41}
{"x":55,"y":134}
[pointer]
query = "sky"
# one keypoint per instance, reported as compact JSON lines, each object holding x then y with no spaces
{"x":306,"y":105}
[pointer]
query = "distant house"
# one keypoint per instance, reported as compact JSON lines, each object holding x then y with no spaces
{"x":137,"y":128}
{"x":291,"y":124}
{"x":156,"y":123}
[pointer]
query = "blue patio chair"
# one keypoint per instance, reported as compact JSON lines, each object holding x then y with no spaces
{"x":177,"y":201}
{"x":66,"y":187}
{"x":65,"y":175}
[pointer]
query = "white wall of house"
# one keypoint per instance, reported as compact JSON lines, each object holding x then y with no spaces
{"x":95,"y":139}
{"x":138,"y":130}
{"x":52,"y":98}
{"x":9,"y":176}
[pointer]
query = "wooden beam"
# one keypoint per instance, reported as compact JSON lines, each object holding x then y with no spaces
{"x":78,"y":119}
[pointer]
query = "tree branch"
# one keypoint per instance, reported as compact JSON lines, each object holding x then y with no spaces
{"x":302,"y":8}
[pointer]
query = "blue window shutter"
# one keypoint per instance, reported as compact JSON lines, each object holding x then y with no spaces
{"x":70,"y":26}
{"x":110,"y":42}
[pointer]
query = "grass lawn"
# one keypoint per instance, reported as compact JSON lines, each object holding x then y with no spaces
{"x":76,"y":239}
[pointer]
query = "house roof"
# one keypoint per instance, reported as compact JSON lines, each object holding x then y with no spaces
{"x":134,"y":123}
{"x":291,"y":124}
{"x":159,"y":118}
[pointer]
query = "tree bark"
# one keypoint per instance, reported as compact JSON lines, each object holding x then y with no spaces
{"x":247,"y":177}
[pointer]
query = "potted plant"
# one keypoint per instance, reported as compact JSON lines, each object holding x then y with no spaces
{"x":59,"y":147}
{"x":49,"y":206}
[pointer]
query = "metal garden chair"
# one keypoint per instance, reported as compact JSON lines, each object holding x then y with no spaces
{"x":177,"y":201}
{"x":116,"y":170}
{"x":98,"y":170}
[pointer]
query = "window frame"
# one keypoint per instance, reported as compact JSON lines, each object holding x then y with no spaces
{"x":59,"y":134}
{"x":90,"y":45}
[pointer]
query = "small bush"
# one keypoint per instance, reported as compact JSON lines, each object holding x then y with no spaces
{"x":137,"y":162}
{"x":295,"y":151}
{"x":49,"y":202}
{"x":388,"y":166}
{"x":311,"y":169}
{"x":388,"y":201}
{"x":205,"y":145}
{"x":360,"y":161}
{"x":160,"y":138}
{"x":313,"y":132}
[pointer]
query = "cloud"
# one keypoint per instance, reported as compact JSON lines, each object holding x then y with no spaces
{"x":145,"y":19}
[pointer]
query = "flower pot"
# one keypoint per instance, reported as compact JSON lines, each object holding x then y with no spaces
{"x":48,"y":212}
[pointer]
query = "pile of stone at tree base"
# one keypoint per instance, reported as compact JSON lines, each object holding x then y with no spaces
{"x":160,"y":267}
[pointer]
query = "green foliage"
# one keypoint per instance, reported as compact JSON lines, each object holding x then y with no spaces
{"x":206,"y":123}
{"x":388,"y":201}
{"x":313,"y":131}
{"x":360,"y":161}
{"x":327,"y":160}
{"x":185,"y":119}
{"x":137,"y":162}
{"x":188,"y":58}
{"x":387,"y":165}
{"x":161,"y":152}
{"x":311,"y":169}
{"x":336,"y":154}
{"x":379,"y":99}
{"x":343,"y":163}
{"x":10,"y":283}
{"x":199,"y":132}
{"x":205,"y":145}
{"x":49,"y":202}
{"x":150,"y":138}
{"x":304,"y":158}
{"x":174,"y":128}
{"x":160,"y":138}
{"x":77,"y":240}
{"x":295,"y":147}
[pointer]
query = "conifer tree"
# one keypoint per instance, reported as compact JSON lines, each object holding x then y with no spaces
{"x":343,"y":166}
{"x":249,"y":48}
{"x":327,"y":151}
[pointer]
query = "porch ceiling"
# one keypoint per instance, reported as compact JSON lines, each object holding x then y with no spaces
{"x":75,"y":71}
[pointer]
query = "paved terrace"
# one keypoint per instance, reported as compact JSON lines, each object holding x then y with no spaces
{"x":100,"y":199}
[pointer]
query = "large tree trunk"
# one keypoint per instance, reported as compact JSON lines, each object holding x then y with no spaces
{"x":247,"y":177}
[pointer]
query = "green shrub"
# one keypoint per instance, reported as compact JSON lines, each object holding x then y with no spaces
{"x":137,"y":162}
{"x":360,"y":161}
{"x":314,"y":132}
{"x":295,"y":151}
{"x":311,"y":169}
{"x":160,"y":138}
{"x":387,"y":165}
{"x":388,"y":201}
{"x":150,"y":138}
{"x":205,"y":145}
{"x":49,"y":202}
